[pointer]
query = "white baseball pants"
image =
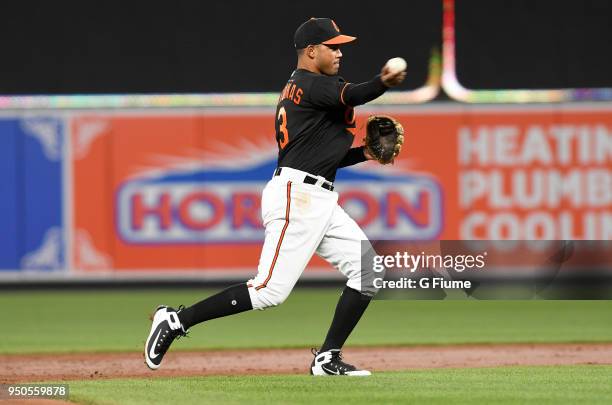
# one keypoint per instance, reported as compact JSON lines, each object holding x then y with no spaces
{"x":302,"y":219}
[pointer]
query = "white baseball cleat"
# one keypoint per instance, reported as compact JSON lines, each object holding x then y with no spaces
{"x":165,"y":328}
{"x":330,"y":363}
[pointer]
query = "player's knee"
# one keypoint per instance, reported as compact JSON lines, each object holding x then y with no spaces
{"x":366,"y":281}
{"x":266,"y":298}
{"x":370,"y":292}
{"x":364,"y":276}
{"x":274,"y":299}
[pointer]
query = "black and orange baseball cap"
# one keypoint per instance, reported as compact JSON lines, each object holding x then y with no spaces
{"x":319,"y":31}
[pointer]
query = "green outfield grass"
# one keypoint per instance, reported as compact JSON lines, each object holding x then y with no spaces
{"x":37,"y":322}
{"x":504,"y":385}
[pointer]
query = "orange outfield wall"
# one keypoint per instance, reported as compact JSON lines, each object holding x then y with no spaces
{"x":180,"y":191}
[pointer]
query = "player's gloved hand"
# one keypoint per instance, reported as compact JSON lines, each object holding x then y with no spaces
{"x":384,"y":138}
{"x":391,"y":79}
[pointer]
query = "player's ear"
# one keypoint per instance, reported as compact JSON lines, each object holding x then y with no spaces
{"x":311,"y":51}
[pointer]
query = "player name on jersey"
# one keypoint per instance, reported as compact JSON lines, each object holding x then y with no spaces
{"x":291,"y":92}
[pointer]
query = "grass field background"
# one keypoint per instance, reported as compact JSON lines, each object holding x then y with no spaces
{"x":504,"y":385}
{"x":101,"y":321}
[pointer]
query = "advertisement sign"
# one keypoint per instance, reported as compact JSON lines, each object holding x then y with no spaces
{"x":31,"y":186}
{"x":181,"y":191}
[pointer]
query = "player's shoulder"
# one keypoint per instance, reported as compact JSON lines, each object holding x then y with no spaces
{"x":305,"y":75}
{"x":325,"y":79}
{"x":327,"y":85}
{"x":317,"y":89}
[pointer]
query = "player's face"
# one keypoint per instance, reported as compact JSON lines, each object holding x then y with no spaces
{"x":327,"y":58}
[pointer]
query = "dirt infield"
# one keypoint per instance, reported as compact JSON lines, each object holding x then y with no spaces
{"x":86,"y":366}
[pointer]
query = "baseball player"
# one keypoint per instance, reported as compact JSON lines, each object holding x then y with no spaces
{"x":315,"y":124}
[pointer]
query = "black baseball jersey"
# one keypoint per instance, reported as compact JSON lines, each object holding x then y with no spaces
{"x":314,"y":128}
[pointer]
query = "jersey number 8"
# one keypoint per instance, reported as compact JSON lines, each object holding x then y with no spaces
{"x":282,"y":126}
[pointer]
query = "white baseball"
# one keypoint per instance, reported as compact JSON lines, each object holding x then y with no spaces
{"x":396,"y":65}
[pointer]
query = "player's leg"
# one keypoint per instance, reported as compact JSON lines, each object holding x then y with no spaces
{"x":288,"y":246}
{"x":292,"y":233}
{"x":342,"y":247}
{"x":300,"y":224}
{"x":232,"y":300}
